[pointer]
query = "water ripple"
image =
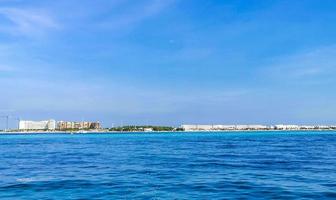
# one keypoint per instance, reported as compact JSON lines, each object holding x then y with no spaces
{"x":169,"y":166}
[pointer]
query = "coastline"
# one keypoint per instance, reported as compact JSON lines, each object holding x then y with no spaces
{"x":149,"y":132}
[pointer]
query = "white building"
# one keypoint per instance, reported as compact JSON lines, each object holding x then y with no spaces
{"x":307,"y":127}
{"x":148,"y":129}
{"x":287,"y":127}
{"x":251,"y":127}
{"x":223,"y":127}
{"x":322,"y":127}
{"x":197,"y":127}
{"x":37,"y":125}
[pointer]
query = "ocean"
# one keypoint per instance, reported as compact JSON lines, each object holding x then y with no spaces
{"x":228,"y":165}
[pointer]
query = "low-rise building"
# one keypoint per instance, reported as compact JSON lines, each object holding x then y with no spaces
{"x":197,"y":127}
{"x":307,"y":127}
{"x":287,"y":127}
{"x":223,"y":127}
{"x":64,"y":125}
{"x":148,"y":129}
{"x":321,"y":127}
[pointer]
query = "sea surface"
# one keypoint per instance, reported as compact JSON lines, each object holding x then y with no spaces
{"x":237,"y":165}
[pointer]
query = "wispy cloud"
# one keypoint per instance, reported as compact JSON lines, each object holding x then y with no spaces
{"x":315,"y":66}
{"x":26,"y":22}
{"x":6,"y":68}
{"x":135,"y":14}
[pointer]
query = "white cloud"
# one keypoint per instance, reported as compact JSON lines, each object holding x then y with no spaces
{"x":27,"y":22}
{"x":136,"y":14}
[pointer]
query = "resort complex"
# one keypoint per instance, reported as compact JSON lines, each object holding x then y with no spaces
{"x":52,"y":125}
{"x":255,"y":127}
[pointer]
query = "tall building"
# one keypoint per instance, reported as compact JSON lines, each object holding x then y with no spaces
{"x":37,"y":125}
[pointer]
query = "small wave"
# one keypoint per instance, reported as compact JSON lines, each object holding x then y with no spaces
{"x":25,"y":180}
{"x":33,"y":179}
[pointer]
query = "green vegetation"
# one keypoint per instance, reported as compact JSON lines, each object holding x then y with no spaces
{"x":144,"y":128}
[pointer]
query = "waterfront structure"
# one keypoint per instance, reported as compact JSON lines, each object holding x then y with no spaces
{"x":251,"y":127}
{"x":65,"y":125}
{"x":308,"y":127}
{"x":37,"y":125}
{"x":148,"y":129}
{"x":286,"y":127}
{"x":198,"y":127}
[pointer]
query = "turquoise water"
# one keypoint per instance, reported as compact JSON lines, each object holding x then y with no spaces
{"x":264,"y":165}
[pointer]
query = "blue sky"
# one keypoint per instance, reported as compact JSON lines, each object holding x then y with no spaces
{"x":169,"y":61}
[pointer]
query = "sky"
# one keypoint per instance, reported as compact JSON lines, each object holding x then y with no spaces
{"x":169,"y":62}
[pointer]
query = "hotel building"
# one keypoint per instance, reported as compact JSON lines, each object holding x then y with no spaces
{"x":37,"y":125}
{"x":64,"y":125}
